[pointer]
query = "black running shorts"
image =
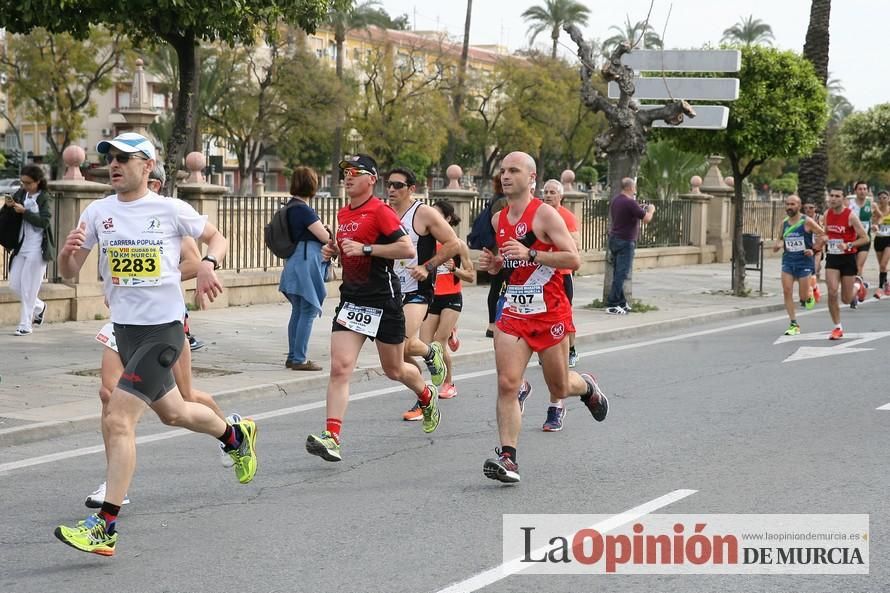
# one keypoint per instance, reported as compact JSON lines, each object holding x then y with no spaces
{"x":148,"y":353}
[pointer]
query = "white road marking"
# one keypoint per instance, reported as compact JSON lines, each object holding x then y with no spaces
{"x":845,"y":346}
{"x":493,"y":575}
{"x":884,"y":407}
{"x":170,"y":434}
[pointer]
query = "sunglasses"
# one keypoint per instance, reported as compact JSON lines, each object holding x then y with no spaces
{"x":396,"y":184}
{"x":122,"y":157}
{"x":356,"y":172}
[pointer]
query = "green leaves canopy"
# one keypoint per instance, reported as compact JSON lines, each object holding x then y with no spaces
{"x":865,"y":139}
{"x":210,"y":20}
{"x":781,"y":111}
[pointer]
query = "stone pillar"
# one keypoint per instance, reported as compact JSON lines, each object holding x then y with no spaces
{"x":719,"y":232}
{"x":698,"y":232}
{"x":73,"y":196}
{"x":202,"y":196}
{"x":572,"y":199}
{"x":461,"y":199}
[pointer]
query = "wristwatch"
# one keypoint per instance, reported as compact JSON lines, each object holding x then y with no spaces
{"x":429,"y":267}
{"x":367,"y":249}
{"x":532,"y":254}
{"x":212,"y":260}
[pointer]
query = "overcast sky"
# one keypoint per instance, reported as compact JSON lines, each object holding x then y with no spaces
{"x":859,"y":29}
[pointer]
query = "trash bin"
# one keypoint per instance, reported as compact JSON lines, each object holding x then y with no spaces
{"x":751,"y":245}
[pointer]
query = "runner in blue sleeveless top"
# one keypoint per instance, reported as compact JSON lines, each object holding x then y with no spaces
{"x":797,"y":260}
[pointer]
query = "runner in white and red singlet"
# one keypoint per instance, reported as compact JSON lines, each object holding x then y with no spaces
{"x":533,"y":243}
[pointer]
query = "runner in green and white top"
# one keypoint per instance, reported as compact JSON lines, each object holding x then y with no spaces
{"x":861,"y":205}
{"x":880,"y":224}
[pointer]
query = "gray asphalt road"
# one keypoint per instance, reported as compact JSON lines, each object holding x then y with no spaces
{"x":714,"y":410}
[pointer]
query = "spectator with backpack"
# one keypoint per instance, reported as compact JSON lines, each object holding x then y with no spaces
{"x":482,"y":236}
{"x":302,"y":279}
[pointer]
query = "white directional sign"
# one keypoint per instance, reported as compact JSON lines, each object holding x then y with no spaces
{"x":708,"y":89}
{"x":707,"y":117}
{"x":848,"y":345}
{"x":675,"y":60}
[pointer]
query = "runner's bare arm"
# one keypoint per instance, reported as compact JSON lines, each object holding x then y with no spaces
{"x":549,"y":225}
{"x":208,"y":286}
{"x":189,"y":259}
{"x":813,"y":226}
{"x":443,"y":232}
{"x":465,"y":272}
{"x":72,"y":255}
{"x":861,"y":236}
{"x":402,"y":248}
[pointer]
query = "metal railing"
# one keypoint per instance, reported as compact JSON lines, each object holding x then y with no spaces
{"x":671,"y":226}
{"x":763,"y":218}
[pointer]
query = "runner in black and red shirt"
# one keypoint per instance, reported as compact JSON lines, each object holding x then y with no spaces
{"x":369,"y":236}
{"x":533,"y":245}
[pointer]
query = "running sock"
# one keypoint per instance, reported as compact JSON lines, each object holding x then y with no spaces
{"x":882,"y":279}
{"x":839,"y":326}
{"x":333,"y":426}
{"x":109,"y":513}
{"x":425,"y":396}
{"x":510,"y":452}
{"x":429,"y":354}
{"x":557,"y":404}
{"x":794,"y":322}
{"x":232,"y":437}
{"x":571,"y":350}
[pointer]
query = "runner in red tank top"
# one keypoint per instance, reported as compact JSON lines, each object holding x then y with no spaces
{"x":441,"y":320}
{"x":534,"y":244}
{"x":845,"y":234}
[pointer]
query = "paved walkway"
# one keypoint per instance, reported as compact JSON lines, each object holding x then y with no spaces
{"x":50,"y":379}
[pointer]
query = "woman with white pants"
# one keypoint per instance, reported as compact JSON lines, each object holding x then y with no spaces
{"x":28,"y":262}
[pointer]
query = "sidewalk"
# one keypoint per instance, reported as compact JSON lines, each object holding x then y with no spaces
{"x":50,"y":379}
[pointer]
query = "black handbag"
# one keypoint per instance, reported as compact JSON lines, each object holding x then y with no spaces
{"x":10,"y":228}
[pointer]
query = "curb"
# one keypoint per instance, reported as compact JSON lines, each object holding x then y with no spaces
{"x":38,"y":431}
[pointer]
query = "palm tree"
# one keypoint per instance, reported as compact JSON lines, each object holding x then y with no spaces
{"x":813,"y":171}
{"x":839,"y":106}
{"x":458,"y":98}
{"x":553,"y":16}
{"x":342,"y":21}
{"x":632,"y":33}
{"x":749,"y":31}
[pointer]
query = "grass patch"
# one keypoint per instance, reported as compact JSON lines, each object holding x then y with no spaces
{"x":636,"y":306}
{"x":98,"y":317}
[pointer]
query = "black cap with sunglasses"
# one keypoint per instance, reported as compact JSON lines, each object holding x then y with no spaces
{"x":362,"y":162}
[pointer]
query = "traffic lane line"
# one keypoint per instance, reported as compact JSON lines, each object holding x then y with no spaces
{"x":514,"y":566}
{"x":170,"y":434}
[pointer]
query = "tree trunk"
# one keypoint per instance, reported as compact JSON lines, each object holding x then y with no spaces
{"x":555,"y":37}
{"x":186,"y":52}
{"x":813,"y":172}
{"x":620,"y":166}
{"x":458,"y":99}
{"x":337,"y":144}
{"x":738,"y":248}
{"x":195,"y":142}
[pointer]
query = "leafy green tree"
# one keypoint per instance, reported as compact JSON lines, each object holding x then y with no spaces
{"x":749,"y":31}
{"x":864,"y":140}
{"x":269,"y":102}
{"x":181,"y":24}
{"x":54,"y":77}
{"x":401,"y":107}
{"x":342,"y":19}
{"x":666,"y":170}
{"x":552,"y":16}
{"x":780,"y":113}
{"x":632,"y":33}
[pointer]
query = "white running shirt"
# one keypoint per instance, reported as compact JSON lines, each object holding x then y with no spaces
{"x":139,"y":246}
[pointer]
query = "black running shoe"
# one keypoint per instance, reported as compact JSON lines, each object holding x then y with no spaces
{"x":501,"y":468}
{"x":596,"y":402}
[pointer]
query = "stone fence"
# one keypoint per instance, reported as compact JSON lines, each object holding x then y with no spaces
{"x":697,"y":227}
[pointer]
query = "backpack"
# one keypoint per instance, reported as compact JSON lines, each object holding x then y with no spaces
{"x":482,"y":233}
{"x":277,"y":233}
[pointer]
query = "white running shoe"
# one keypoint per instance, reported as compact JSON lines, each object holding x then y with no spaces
{"x":224,"y":458}
{"x":95,"y":500}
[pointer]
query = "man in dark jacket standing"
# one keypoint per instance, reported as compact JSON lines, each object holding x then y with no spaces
{"x":626,"y":214}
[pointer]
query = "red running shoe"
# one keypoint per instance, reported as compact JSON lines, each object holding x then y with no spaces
{"x":453,"y":343}
{"x":836,"y":334}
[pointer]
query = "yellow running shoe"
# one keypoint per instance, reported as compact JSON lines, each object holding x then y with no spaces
{"x":89,"y":535}
{"x":431,"y":413}
{"x":245,"y":455}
